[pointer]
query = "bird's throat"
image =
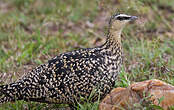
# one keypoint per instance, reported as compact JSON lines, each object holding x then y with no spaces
{"x":116,"y":35}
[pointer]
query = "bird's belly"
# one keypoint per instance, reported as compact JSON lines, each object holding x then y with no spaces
{"x":84,"y":88}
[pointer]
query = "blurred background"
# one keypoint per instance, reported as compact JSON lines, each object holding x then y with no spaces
{"x":33,"y":31}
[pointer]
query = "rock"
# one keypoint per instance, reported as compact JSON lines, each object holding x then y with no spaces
{"x":127,"y":98}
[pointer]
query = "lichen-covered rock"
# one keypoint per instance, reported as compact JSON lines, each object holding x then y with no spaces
{"x":127,"y":98}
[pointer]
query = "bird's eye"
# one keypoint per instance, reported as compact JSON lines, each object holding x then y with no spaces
{"x":123,"y":18}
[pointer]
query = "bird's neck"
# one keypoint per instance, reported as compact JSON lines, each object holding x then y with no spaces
{"x":113,"y":41}
{"x":114,"y":36}
{"x":112,"y":48}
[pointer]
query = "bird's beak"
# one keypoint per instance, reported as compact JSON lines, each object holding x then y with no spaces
{"x":133,"y":18}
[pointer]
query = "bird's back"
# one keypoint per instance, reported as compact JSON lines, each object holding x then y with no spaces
{"x":66,"y":78}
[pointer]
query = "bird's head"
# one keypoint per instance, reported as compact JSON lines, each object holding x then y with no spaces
{"x":118,"y":21}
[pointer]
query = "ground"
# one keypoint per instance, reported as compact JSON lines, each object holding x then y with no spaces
{"x":33,"y":31}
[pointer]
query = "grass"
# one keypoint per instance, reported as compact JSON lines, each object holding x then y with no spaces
{"x":31,"y":32}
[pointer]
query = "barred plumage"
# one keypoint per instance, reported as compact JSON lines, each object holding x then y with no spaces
{"x":71,"y":75}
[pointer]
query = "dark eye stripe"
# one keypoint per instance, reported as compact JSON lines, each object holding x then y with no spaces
{"x":123,"y":18}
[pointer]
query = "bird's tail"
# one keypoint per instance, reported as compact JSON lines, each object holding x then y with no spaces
{"x":10,"y":92}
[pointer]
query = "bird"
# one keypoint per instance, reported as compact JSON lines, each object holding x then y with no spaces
{"x":69,"y":76}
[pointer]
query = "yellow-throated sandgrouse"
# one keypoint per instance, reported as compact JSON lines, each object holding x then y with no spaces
{"x":71,"y":75}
